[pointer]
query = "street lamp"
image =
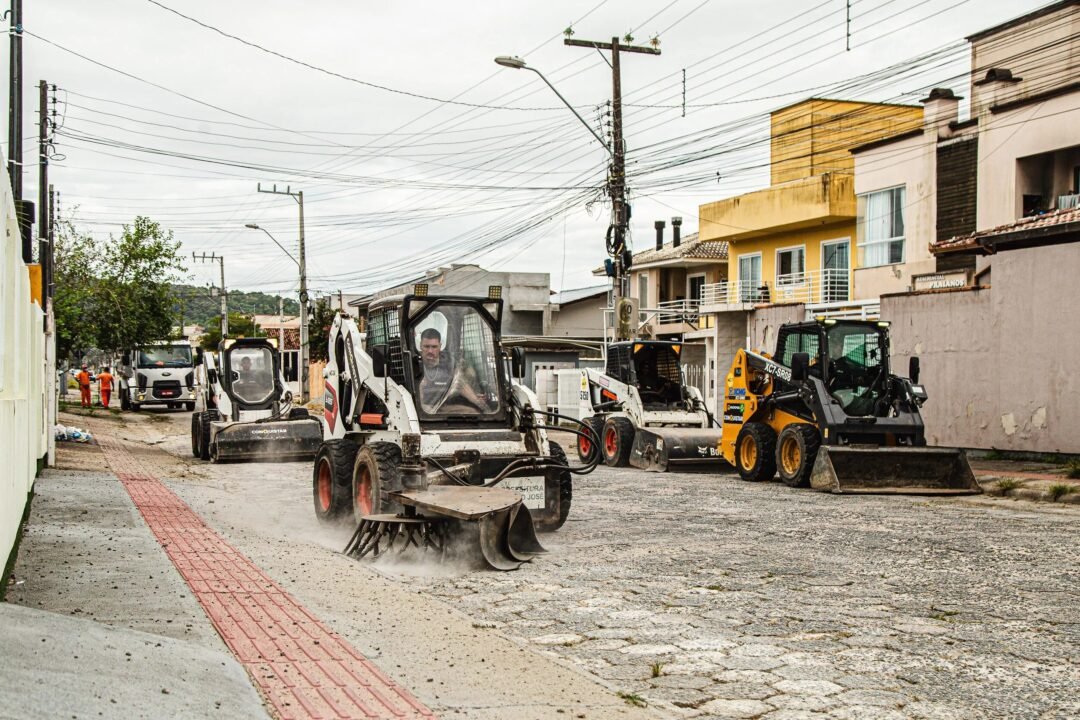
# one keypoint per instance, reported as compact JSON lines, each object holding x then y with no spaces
{"x":303,"y":309}
{"x":517,"y":63}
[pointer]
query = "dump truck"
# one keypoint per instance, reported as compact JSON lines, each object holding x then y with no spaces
{"x":641,"y":399}
{"x":157,"y":374}
{"x":246,"y":411}
{"x":430,"y":434}
{"x":827,"y":412}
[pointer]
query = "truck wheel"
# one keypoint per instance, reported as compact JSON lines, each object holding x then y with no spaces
{"x":375,"y":473}
{"x":125,"y":401}
{"x":331,"y":480}
{"x":189,"y":406}
{"x":755,"y":452}
{"x":585,"y":447}
{"x":196,"y":435}
{"x":134,"y":406}
{"x":565,"y":481}
{"x":796,"y":451}
{"x":618,"y":441}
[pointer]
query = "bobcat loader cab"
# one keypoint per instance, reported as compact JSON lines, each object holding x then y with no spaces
{"x":642,"y":410}
{"x":247,"y":411}
{"x":425,"y":428}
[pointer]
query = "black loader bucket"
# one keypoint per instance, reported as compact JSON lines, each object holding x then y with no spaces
{"x":506,"y":535}
{"x":656,"y":448}
{"x":893,"y":471}
{"x":275,"y":440}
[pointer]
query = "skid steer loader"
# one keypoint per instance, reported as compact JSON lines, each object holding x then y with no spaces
{"x":643,"y":411}
{"x":426,"y":433}
{"x":827,"y":412}
{"x":246,"y":411}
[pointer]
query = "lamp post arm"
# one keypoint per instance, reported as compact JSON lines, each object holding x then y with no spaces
{"x":571,"y":107}
{"x":280,"y":246}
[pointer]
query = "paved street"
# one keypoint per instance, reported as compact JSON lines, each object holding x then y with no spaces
{"x":700,"y":595}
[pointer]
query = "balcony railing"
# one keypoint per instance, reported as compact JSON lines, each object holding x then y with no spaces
{"x":677,"y":311}
{"x":816,"y":286}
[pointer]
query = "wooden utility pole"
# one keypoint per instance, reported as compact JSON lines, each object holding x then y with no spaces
{"x":620,"y":254}
{"x":15,"y":73}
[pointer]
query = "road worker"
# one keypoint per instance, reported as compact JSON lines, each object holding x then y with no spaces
{"x":105,"y":386}
{"x":83,"y":378}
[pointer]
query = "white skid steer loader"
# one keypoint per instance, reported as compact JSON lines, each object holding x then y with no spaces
{"x":427,"y":433}
{"x":246,"y":411}
{"x":643,"y":412}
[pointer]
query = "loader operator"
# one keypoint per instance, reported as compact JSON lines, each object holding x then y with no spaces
{"x":440,"y":382}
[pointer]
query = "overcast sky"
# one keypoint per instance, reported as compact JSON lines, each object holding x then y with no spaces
{"x":394,"y":183}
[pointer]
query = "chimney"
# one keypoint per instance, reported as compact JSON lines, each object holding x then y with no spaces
{"x":676,"y":231}
{"x":940,"y":108}
{"x":659,"y":225}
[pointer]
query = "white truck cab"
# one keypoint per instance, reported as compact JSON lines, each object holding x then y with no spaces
{"x":158,"y":374}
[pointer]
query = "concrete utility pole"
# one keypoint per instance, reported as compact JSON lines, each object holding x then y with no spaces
{"x":220,"y":260}
{"x":620,"y":210}
{"x":305,"y":351}
{"x":15,"y":73}
{"x":44,"y":248}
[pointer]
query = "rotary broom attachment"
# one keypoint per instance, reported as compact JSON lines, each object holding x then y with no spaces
{"x":377,"y":535}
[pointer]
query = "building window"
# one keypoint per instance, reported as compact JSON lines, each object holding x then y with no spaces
{"x":790,"y":266}
{"x":749,"y":277}
{"x":643,"y":290}
{"x":881,"y":227}
{"x":694,"y":285}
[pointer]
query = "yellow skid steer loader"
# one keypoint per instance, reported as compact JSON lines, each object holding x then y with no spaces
{"x":826,"y":412}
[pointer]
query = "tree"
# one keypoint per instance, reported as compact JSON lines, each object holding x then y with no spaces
{"x":114,"y":294}
{"x":319,"y":329}
{"x":240,"y":325}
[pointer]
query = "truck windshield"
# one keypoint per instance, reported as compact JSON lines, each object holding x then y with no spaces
{"x":456,"y":345}
{"x":171,"y":356}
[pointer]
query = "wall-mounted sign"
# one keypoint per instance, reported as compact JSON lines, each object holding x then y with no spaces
{"x":941,"y":281}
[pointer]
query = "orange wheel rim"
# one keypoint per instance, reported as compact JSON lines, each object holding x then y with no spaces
{"x":363,"y":492}
{"x":790,"y":455}
{"x":611,"y":441}
{"x":324,"y":486}
{"x":584,"y":446}
{"x":748,"y":452}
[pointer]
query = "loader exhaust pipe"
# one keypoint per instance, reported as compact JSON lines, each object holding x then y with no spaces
{"x":893,"y":471}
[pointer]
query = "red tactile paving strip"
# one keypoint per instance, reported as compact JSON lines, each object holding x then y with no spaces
{"x":302,"y":668}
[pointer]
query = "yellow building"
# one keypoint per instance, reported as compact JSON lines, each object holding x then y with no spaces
{"x":794,"y":241}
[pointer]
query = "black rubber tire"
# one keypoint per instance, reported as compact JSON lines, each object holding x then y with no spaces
{"x":380,"y":461}
{"x":207,"y":418}
{"x":332,"y":499}
{"x":196,"y":435}
{"x":299,"y":413}
{"x":565,"y":480}
{"x":807,"y":441}
{"x":597,"y":425}
{"x":764,"y":457}
{"x":189,"y":406}
{"x":616,"y":448}
{"x":135,"y":407}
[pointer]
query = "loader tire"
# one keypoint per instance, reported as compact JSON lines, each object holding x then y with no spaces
{"x":565,"y":481}
{"x":617,"y":441}
{"x":204,"y":424}
{"x":331,"y":478}
{"x":796,"y":451}
{"x":196,"y":435}
{"x":586,"y":448}
{"x":375,"y":473}
{"x":755,"y":452}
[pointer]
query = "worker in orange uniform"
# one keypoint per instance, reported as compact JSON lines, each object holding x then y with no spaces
{"x":83,"y":378}
{"x":105,"y":386}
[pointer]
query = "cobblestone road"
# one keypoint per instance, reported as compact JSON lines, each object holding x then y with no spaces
{"x":715,"y":598}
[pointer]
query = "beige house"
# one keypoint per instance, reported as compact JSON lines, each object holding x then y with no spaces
{"x":1018,"y":155}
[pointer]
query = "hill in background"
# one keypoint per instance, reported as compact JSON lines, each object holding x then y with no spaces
{"x":194,"y":305}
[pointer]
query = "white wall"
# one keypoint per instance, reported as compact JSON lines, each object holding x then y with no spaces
{"x":22,"y":389}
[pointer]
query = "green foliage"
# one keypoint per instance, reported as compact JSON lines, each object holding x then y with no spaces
{"x":1060,"y":490}
{"x":194,"y":305}
{"x":319,"y":330}
{"x":114,"y":294}
{"x":1007,"y":485}
{"x":1072,"y":469}
{"x":239,"y":326}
